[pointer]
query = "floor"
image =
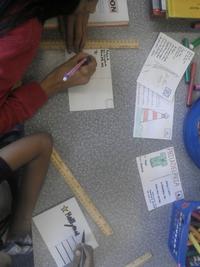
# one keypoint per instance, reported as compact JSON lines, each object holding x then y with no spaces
{"x":100,"y":149}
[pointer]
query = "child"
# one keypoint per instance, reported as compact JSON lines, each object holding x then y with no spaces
{"x":33,"y":153}
{"x":21,"y":26}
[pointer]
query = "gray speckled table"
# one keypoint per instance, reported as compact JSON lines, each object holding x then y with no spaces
{"x":99,"y":148}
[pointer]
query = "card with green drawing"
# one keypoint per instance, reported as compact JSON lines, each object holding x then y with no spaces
{"x":160,"y":178}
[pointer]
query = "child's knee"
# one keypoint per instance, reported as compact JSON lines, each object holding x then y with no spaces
{"x":47,"y":141}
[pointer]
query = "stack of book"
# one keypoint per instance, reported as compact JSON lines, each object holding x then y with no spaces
{"x":108,"y":13}
{"x":186,"y":9}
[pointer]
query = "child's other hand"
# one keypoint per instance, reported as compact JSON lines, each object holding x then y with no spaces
{"x":89,"y":256}
{"x":76,"y":25}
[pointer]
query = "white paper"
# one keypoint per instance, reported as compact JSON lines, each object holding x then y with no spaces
{"x":98,"y":93}
{"x":160,"y":178}
{"x":165,"y":66}
{"x":109,"y":12}
{"x":62,"y":240}
{"x":153,"y":115}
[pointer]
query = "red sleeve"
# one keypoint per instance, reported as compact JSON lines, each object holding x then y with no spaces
{"x":17,"y":50}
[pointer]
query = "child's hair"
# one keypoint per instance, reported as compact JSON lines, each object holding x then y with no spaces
{"x":16,"y":12}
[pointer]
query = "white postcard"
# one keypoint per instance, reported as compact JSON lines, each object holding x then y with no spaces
{"x":153,"y":115}
{"x":165,"y":66}
{"x":62,"y":228}
{"x":160,"y":178}
{"x":98,"y":93}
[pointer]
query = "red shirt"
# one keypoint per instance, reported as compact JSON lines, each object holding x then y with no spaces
{"x":17,"y":50}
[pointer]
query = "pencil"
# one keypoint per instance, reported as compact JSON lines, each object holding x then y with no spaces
{"x":197,"y":87}
{"x":191,"y":84}
{"x":195,"y":232}
{"x":194,"y":242}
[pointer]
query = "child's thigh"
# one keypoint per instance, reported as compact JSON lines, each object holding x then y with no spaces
{"x":26,"y":149}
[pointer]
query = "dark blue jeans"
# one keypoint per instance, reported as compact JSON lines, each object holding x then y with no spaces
{"x":16,"y":133}
{"x":5,"y":171}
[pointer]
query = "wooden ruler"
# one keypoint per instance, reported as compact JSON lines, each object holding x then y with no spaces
{"x":140,"y":261}
{"x":59,"y":44}
{"x":80,"y":193}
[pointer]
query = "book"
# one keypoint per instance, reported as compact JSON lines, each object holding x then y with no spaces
{"x":98,"y":92}
{"x":109,"y":13}
{"x":158,"y":8}
{"x":61,"y":228}
{"x":183,"y":9}
{"x":163,"y":5}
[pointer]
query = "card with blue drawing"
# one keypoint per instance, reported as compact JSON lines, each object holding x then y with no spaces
{"x":61,"y":228}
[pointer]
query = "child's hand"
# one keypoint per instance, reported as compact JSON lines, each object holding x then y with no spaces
{"x":54,"y":83}
{"x":89,"y":257}
{"x":76,"y":25}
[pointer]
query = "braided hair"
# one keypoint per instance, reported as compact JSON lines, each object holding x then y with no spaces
{"x":16,"y":12}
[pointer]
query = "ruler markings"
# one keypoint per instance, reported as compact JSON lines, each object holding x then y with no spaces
{"x":92,"y":44}
{"x":140,"y":261}
{"x":80,"y":193}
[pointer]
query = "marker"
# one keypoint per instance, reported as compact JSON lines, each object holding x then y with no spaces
{"x":156,"y":7}
{"x":70,"y":73}
{"x":194,"y":261}
{"x":195,"y":43}
{"x":186,"y":43}
{"x":197,"y":87}
{"x":194,"y":223}
{"x":194,"y":242}
{"x":187,"y":262}
{"x":192,"y":252}
{"x":198,"y":130}
{"x":191,"y":84}
{"x":195,"y":25}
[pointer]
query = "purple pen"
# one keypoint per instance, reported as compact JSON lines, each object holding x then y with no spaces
{"x":70,"y":73}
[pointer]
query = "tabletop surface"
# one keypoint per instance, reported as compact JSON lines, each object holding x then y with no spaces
{"x":100,"y":149}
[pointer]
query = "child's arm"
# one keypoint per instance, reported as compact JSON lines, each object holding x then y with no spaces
{"x":34,"y":152}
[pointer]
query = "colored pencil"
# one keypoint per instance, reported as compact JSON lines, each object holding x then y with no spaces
{"x":194,"y":242}
{"x":186,"y":43}
{"x":191,"y":85}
